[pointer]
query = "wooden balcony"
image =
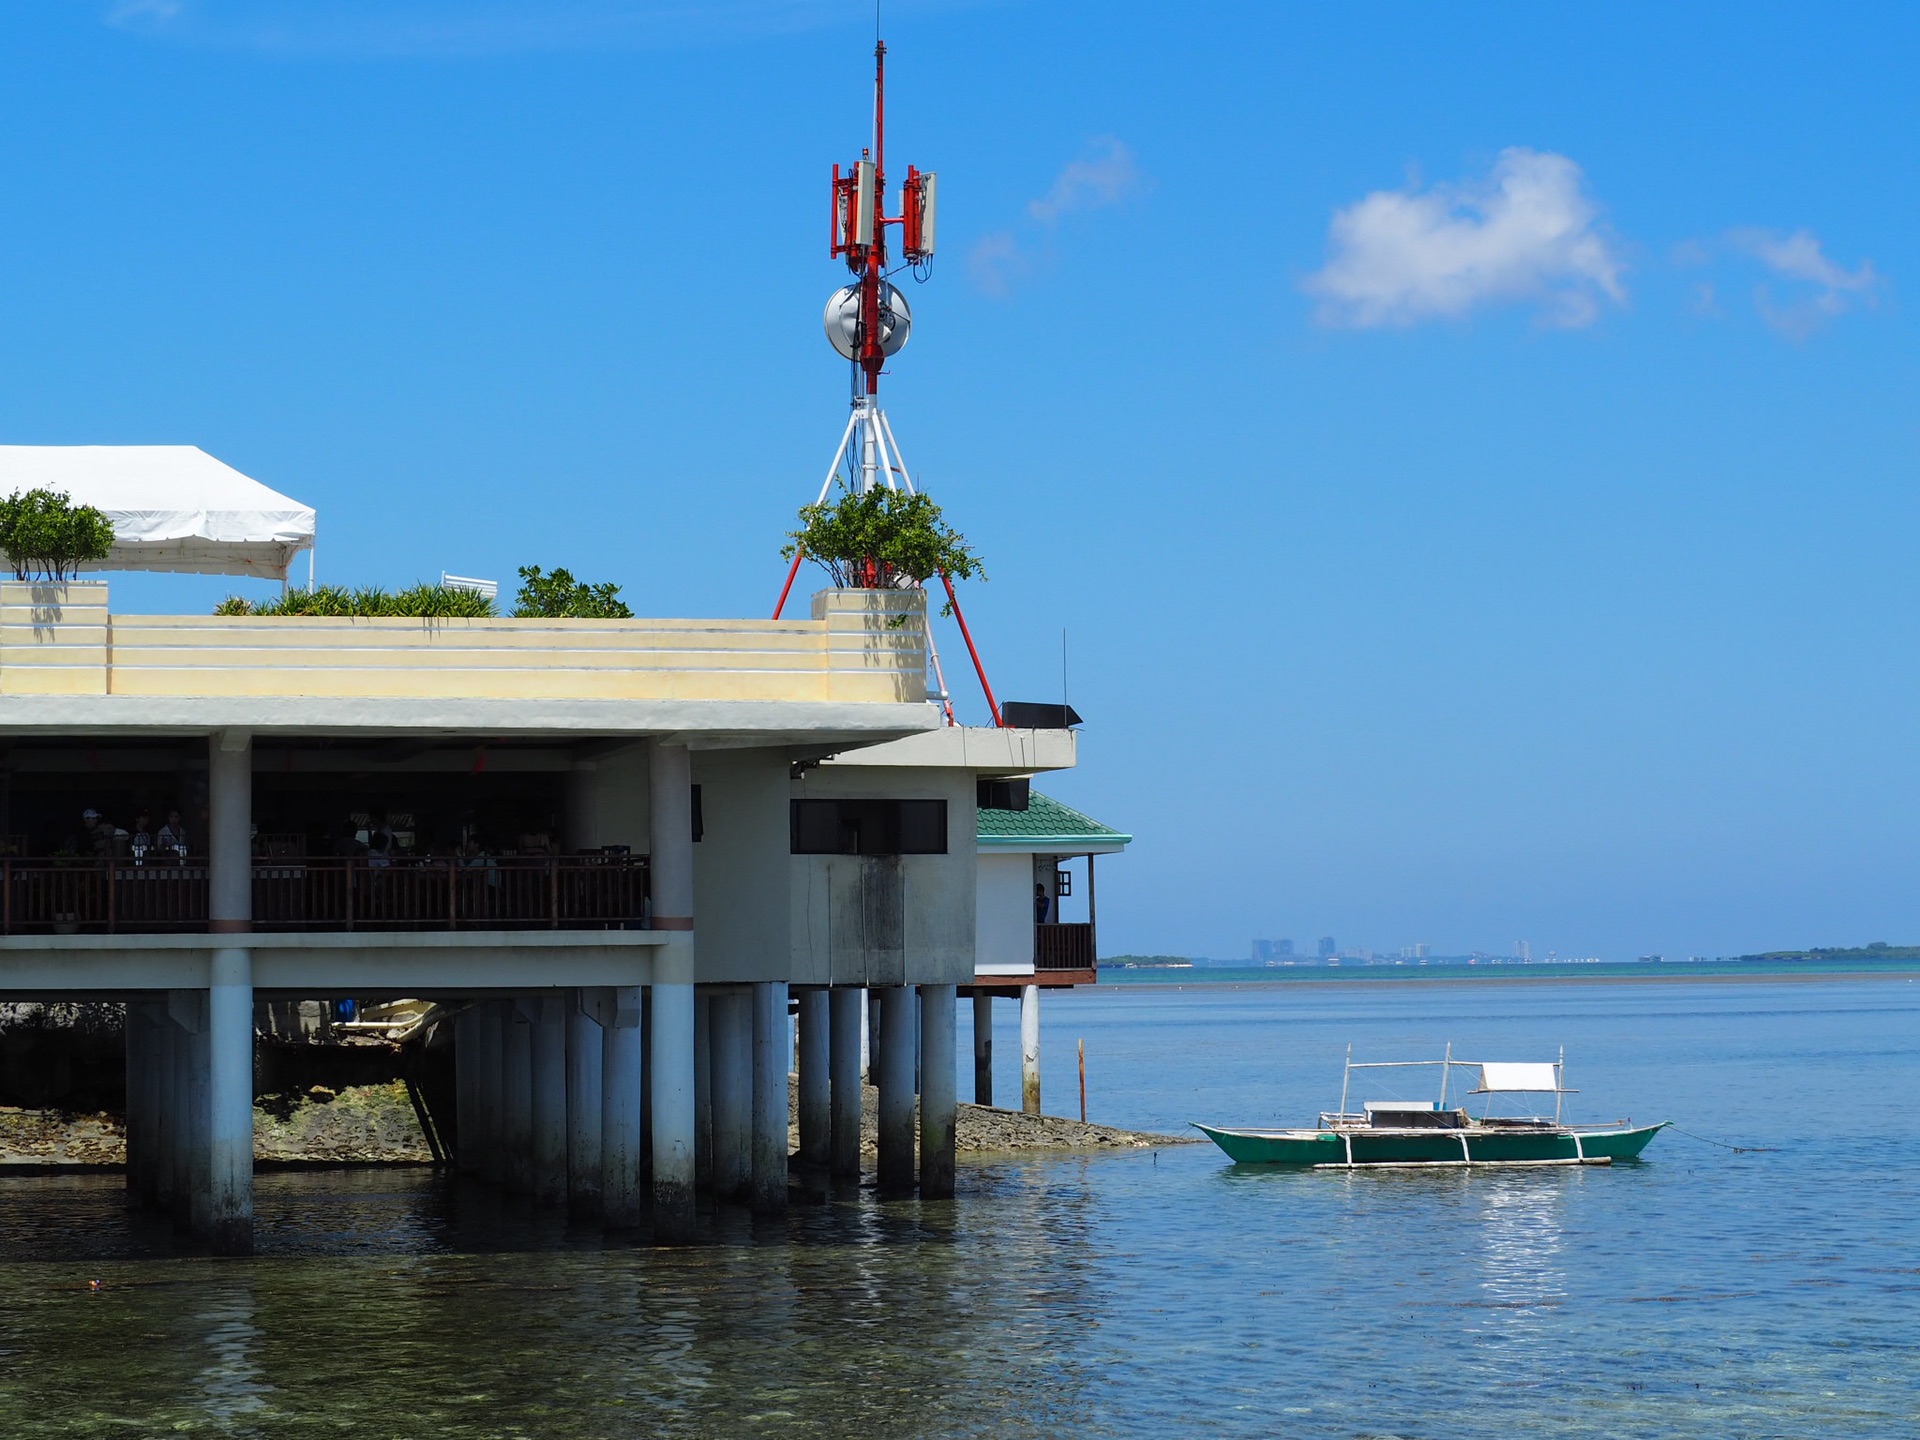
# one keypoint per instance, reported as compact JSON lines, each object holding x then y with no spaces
{"x":291,"y":893}
{"x":1064,"y":947}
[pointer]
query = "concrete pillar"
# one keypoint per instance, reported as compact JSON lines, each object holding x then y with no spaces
{"x":623,"y":1097}
{"x":466,"y":1118}
{"x":670,"y":1096}
{"x":1030,"y":1049}
{"x":671,"y":1077}
{"x":199,"y":1127}
{"x":872,"y":1020}
{"x":646,"y":1068}
{"x":586,"y":1109}
{"x":182,"y":1006}
{"x":731,"y":1055}
{"x":896,"y":1089}
{"x":814,"y":1083}
{"x":770,"y":1051}
{"x":135,"y":1089}
{"x":516,"y":1074}
{"x":847,"y":1013}
{"x":983,"y":1047}
{"x":166,"y":1121}
{"x":703,"y":1088}
{"x":493,"y":1090}
{"x":550,"y":1100}
{"x":230,"y":832}
{"x":938,"y":1101}
{"x":230,"y":1102}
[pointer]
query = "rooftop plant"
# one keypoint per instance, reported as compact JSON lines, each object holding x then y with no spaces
{"x":558,"y":596}
{"x":883,"y":540}
{"x":434,"y":602}
{"x":48,"y":537}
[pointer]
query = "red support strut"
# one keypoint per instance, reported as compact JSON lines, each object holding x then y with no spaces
{"x":965,"y":634}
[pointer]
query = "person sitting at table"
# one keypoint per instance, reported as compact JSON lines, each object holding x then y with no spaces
{"x":173,"y":834}
{"x":379,"y":848}
{"x":97,"y":835}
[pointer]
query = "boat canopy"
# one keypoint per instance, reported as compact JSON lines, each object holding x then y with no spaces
{"x":173,"y":507}
{"x":1509,"y":1075}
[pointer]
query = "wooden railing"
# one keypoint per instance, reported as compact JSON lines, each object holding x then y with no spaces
{"x":579,"y":892}
{"x":1063,"y":947}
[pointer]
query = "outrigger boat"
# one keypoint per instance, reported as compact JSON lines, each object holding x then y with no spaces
{"x":1431,"y":1133}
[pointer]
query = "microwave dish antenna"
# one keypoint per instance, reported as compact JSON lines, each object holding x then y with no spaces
{"x":843,"y":320}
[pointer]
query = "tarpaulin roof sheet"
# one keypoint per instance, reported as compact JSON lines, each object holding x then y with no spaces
{"x":173,"y":507}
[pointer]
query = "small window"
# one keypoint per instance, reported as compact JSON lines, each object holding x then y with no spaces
{"x":869,"y":827}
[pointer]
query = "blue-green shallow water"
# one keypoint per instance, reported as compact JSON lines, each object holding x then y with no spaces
{"x":1701,"y":1293}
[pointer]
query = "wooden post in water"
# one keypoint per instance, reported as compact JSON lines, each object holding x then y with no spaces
{"x":1083,"y":1081}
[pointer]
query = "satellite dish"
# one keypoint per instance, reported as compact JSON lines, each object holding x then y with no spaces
{"x":843,"y":320}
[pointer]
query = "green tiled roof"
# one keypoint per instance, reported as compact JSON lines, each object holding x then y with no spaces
{"x":1045,"y":821}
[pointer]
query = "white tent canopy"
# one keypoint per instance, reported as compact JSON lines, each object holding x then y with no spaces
{"x":173,"y":507}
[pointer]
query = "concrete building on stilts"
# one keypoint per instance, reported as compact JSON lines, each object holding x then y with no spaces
{"x":619,"y":854}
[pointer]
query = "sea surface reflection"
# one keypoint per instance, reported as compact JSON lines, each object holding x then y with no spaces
{"x":1702,"y":1293}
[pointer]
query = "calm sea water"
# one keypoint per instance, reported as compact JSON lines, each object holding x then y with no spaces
{"x":1702,"y":1292}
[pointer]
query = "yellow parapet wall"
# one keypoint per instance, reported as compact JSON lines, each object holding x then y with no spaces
{"x":860,"y":645}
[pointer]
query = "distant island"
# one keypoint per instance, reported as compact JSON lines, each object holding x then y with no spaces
{"x":1878,"y":950}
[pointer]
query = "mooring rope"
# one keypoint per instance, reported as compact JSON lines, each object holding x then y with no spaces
{"x":1736,"y":1149}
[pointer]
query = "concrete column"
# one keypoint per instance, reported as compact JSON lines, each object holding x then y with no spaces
{"x":199,"y":1128}
{"x":847,"y":1013}
{"x":896,"y":1089}
{"x":646,"y":1069}
{"x":516,"y":1071}
{"x":586,"y":1110}
{"x":550,"y":1100}
{"x":938,"y":1102}
{"x":670,"y":1093}
{"x":873,"y":996}
{"x":133,"y":1034}
{"x":703,"y":1088}
{"x":182,"y":1006}
{"x":731,"y":1053}
{"x":166,"y":1120}
{"x":466,"y":1120}
{"x":493,"y":1089}
{"x":1030,"y":1049}
{"x":770,"y":1051}
{"x":623,"y":1097}
{"x":670,"y":826}
{"x":230,"y":832}
{"x":815,"y":1024}
{"x":230,"y":1102}
{"x":983,"y":1047}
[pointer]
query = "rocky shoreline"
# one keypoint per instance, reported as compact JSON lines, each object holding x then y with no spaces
{"x":375,"y":1124}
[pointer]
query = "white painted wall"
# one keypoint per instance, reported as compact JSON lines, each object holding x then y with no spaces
{"x":887,"y":920}
{"x":742,"y":869}
{"x":1003,"y":915}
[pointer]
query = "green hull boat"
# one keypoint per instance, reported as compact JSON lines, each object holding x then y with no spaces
{"x":1474,"y":1144}
{"x":1428,"y":1133}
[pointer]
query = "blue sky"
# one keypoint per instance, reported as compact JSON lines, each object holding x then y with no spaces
{"x":1471,"y":449}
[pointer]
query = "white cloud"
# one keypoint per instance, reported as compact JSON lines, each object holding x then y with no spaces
{"x":1106,"y":175}
{"x":1818,"y":289}
{"x":1527,"y":234}
{"x":997,"y":261}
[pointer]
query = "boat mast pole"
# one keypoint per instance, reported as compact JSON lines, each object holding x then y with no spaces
{"x":1346,"y":1074}
{"x":1446,"y":1069}
{"x":1559,"y":1084}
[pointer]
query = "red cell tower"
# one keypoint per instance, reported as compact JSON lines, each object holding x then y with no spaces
{"x":867,"y":322}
